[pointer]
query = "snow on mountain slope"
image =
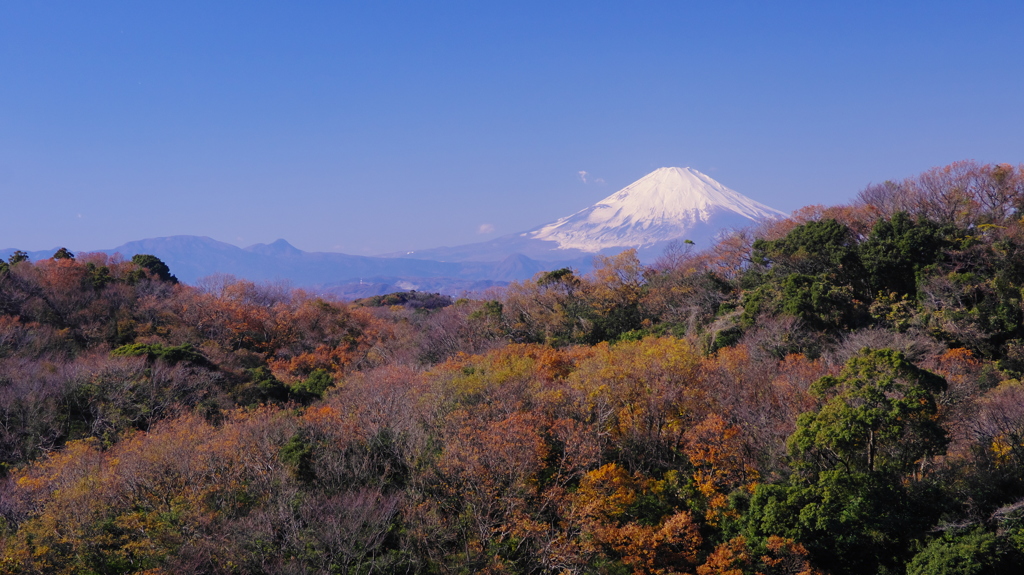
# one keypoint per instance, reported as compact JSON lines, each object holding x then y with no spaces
{"x":668,"y":203}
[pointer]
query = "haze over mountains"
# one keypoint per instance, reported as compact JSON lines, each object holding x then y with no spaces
{"x":667,"y":204}
{"x":191,"y":258}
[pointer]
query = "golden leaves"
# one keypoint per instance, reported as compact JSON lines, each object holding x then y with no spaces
{"x":716,"y":451}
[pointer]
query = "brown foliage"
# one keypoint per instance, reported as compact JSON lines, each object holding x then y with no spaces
{"x":965,"y":194}
{"x":603,"y":506}
{"x":716,"y":451}
{"x":783,"y":557}
{"x":859,"y":218}
{"x":149,"y":496}
{"x":763,"y":396}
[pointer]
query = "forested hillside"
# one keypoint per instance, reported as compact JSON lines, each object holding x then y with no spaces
{"x":838,"y":392}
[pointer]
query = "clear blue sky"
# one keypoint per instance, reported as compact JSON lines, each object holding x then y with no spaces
{"x":369,"y":127}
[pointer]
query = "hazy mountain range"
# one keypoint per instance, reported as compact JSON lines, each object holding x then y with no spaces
{"x":194,"y":257}
{"x":665,"y":205}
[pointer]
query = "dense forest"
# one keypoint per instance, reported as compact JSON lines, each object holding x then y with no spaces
{"x":839,"y":392}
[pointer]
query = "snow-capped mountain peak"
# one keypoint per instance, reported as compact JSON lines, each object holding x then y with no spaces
{"x":666,"y":204}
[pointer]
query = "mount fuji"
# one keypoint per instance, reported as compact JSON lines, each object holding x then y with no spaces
{"x":666,"y":204}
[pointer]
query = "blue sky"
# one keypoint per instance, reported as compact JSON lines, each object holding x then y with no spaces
{"x":373,"y":127}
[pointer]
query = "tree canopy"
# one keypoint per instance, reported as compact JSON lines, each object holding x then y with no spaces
{"x":836,"y":392}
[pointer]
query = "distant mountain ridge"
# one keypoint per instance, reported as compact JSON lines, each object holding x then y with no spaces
{"x":665,"y":205}
{"x":191,"y":258}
